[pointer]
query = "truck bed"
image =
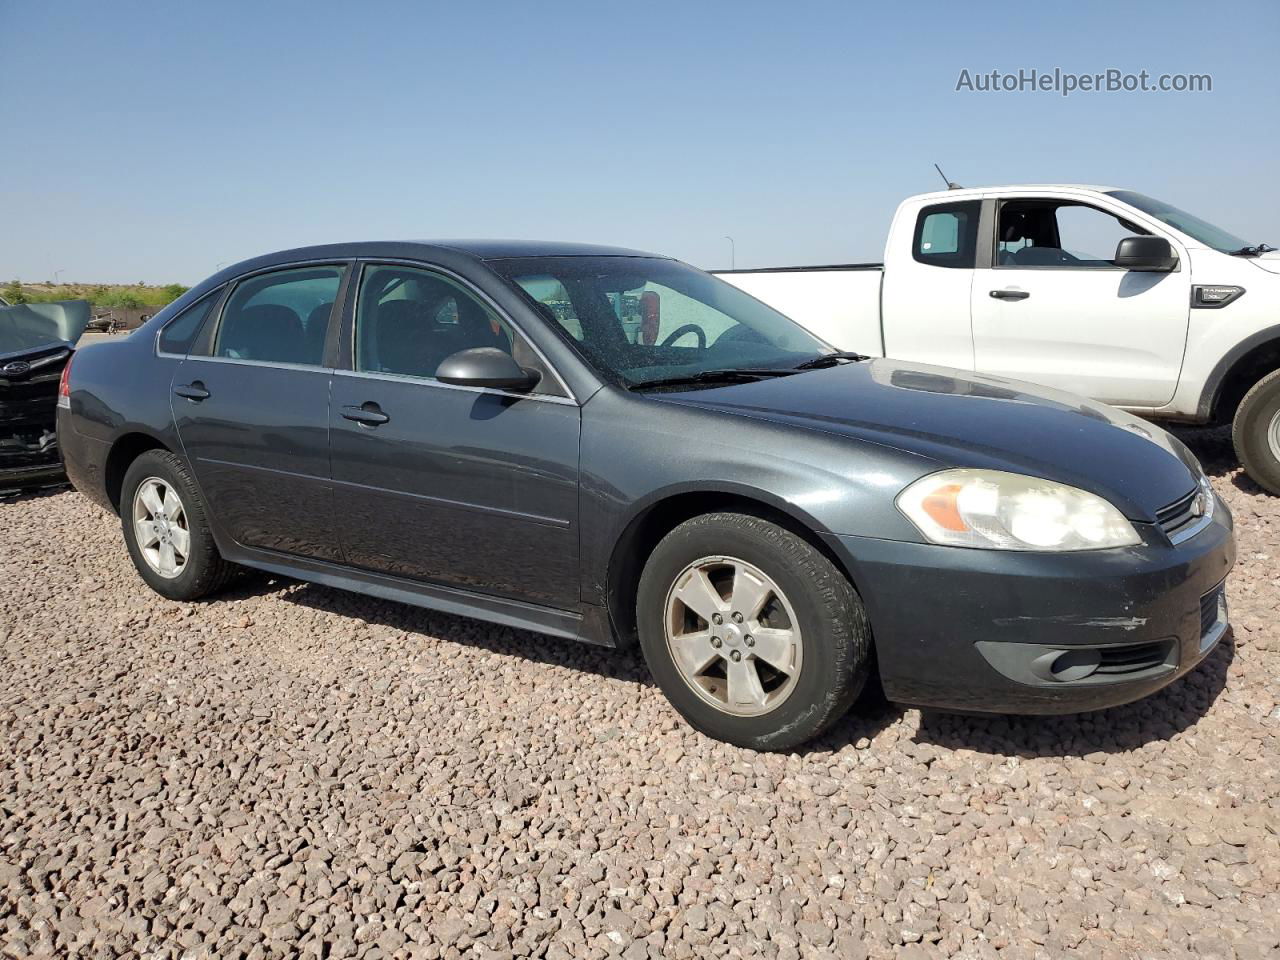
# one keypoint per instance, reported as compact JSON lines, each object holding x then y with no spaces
{"x":839,"y":303}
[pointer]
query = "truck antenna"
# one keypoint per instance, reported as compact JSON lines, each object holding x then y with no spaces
{"x":950,"y":184}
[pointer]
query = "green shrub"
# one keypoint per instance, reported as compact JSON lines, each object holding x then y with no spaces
{"x":13,"y":292}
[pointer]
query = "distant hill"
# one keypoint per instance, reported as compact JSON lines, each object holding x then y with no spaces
{"x":124,"y":295}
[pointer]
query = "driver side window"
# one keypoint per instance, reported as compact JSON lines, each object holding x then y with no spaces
{"x":408,"y":320}
{"x":1051,"y":233}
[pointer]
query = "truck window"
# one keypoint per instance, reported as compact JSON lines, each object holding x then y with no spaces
{"x":1051,"y":233}
{"x":947,"y":235}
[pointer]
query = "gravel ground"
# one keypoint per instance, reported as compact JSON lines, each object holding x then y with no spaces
{"x":292,"y":769}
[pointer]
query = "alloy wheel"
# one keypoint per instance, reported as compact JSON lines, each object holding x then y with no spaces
{"x":733,"y":636}
{"x":160,"y":526}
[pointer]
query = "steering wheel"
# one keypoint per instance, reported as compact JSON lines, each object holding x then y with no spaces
{"x":679,"y":332}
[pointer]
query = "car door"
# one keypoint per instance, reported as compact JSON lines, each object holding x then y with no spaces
{"x":925,"y":296}
{"x":1052,"y":308}
{"x":251,"y":406}
{"x":470,"y":488}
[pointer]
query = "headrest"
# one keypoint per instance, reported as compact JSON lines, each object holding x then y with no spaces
{"x":269,"y":331}
{"x":320,"y":315}
{"x":1013,"y":227}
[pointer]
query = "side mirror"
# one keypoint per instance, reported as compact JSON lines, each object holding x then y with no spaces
{"x":486,"y":367}
{"x":1152,"y":254}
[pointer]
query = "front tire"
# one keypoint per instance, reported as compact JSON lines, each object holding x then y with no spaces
{"x":1255,"y":432}
{"x":753,"y":635}
{"x":166,"y":528}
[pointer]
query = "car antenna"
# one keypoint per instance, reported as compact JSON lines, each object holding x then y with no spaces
{"x":950,"y":184}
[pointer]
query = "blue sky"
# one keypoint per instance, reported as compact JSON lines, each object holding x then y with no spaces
{"x":154,"y":141}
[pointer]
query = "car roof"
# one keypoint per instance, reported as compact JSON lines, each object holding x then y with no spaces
{"x":967,"y":193}
{"x":414,"y":249}
{"x":507,"y":249}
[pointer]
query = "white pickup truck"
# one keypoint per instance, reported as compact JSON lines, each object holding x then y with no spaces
{"x":1102,"y":292}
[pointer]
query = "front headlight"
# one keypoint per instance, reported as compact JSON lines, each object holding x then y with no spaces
{"x":1008,"y":511}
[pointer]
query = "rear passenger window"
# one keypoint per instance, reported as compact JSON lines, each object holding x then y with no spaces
{"x":280,"y":317}
{"x":947,"y":235}
{"x":180,"y":332}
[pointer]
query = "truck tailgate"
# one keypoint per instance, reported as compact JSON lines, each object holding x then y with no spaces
{"x":840,"y":304}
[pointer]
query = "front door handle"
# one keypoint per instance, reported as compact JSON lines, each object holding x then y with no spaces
{"x":368,"y":413}
{"x":193,"y":391}
{"x":1010,"y":294}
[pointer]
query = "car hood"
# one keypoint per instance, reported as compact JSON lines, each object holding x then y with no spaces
{"x":33,"y":326}
{"x":1269,"y":261}
{"x":958,"y":418}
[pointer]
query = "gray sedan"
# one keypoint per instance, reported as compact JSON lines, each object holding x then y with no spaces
{"x":617,"y":448}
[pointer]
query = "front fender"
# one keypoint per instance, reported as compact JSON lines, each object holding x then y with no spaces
{"x":637,"y":454}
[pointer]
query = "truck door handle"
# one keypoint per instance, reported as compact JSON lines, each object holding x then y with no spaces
{"x":1010,"y":294}
{"x":193,"y":391}
{"x":368,"y":413}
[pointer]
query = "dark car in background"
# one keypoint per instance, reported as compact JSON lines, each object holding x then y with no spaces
{"x":36,"y":340}
{"x":615,"y":447}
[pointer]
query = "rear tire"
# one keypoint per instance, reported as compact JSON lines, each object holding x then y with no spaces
{"x":1255,"y":432}
{"x":166,"y":528}
{"x":791,"y":650}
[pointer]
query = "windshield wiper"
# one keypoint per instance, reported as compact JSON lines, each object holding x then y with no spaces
{"x":831,"y":359}
{"x":739,"y":375}
{"x":1253,"y":251}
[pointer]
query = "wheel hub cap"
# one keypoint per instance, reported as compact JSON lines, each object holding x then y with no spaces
{"x":733,"y":636}
{"x":160,"y":527}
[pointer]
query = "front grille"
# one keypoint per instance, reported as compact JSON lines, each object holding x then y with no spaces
{"x":1134,"y":657}
{"x":28,"y":408}
{"x":1179,"y":514}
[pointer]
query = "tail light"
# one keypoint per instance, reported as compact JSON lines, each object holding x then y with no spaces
{"x":64,"y":385}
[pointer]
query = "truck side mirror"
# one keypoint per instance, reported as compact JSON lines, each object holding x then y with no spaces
{"x":1151,"y":254}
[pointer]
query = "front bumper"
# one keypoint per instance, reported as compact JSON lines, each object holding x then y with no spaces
{"x":29,"y":460}
{"x":28,"y":400}
{"x":1039,"y":633}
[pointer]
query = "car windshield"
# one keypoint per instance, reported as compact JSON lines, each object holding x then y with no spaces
{"x":638,"y":320}
{"x":1184,"y":222}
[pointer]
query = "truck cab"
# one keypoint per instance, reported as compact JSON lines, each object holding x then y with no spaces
{"x":1100,"y":291}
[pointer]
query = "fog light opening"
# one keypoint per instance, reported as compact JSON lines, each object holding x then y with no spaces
{"x":1074,"y":665}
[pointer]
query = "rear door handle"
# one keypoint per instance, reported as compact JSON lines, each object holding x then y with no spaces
{"x":1010,"y":294}
{"x":368,"y":413}
{"x":193,"y":391}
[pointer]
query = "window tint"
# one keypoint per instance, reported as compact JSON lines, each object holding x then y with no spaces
{"x":280,"y":317}
{"x":947,"y":234}
{"x":1053,"y":234}
{"x":180,"y":332}
{"x":408,"y":320}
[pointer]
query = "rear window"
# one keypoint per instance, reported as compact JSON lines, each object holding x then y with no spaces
{"x":947,"y":235}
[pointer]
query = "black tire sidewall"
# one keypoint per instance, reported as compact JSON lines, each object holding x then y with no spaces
{"x":831,"y":619}
{"x":1249,"y":432}
{"x":194,"y":580}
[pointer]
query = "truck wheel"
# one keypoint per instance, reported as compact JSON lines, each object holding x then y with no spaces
{"x":1256,"y":432}
{"x":752,"y":634}
{"x":166,"y":530}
